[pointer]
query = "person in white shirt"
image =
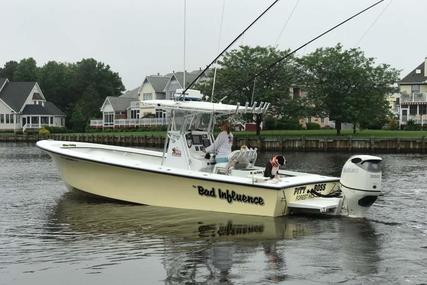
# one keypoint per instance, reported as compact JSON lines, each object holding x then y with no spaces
{"x":222,"y":144}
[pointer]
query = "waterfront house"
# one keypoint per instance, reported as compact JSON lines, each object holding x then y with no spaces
{"x":119,"y":111}
{"x":126,"y":111}
{"x":176,"y":81}
{"x":153,"y":88}
{"x":413,"y":99}
{"x":23,"y":106}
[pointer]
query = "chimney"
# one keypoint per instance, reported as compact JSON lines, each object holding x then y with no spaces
{"x":425,"y":67}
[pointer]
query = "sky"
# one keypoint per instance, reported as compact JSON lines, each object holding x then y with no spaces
{"x":143,"y":37}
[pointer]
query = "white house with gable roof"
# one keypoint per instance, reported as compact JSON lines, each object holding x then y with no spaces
{"x":23,"y":106}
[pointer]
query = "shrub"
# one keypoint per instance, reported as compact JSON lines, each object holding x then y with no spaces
{"x":44,"y":132}
{"x":56,"y":130}
{"x":393,"y":123}
{"x":270,"y":123}
{"x":411,"y":126}
{"x":288,"y":125}
{"x":312,"y":126}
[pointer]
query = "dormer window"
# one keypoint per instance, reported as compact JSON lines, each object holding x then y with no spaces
{"x":418,"y":71}
{"x":37,"y":96}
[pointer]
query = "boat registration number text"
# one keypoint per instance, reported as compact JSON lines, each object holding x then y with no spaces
{"x":304,"y":192}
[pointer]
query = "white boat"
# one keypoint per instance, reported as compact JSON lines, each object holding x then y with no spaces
{"x":181,"y":176}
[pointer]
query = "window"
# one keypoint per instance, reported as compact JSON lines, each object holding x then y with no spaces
{"x":62,"y":122}
{"x":7,"y":118}
{"x":134,"y":114}
{"x":160,"y":113}
{"x":44,"y":120}
{"x":11,"y":119}
{"x":108,"y":119}
{"x":51,"y":120}
{"x":423,"y":109}
{"x":147,"y":96}
{"x":413,"y":110}
{"x":1,"y":118}
{"x":415,"y":88}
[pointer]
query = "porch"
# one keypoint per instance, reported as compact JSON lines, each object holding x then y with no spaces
{"x":128,"y":123}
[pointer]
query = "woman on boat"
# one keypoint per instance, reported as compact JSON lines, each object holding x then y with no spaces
{"x":222,"y":144}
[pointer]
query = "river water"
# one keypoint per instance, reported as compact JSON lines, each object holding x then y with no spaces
{"x":49,"y":235}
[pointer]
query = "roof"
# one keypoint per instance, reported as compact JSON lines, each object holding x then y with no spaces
{"x":47,"y":109}
{"x":2,"y":81}
{"x":414,"y":77}
{"x":131,"y":94}
{"x":158,"y":82}
{"x":189,"y":77}
{"x":120,"y":103}
{"x":14,"y":94}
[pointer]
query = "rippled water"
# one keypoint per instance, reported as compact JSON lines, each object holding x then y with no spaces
{"x":49,"y":235}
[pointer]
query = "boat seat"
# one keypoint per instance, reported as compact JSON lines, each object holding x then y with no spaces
{"x":238,"y":159}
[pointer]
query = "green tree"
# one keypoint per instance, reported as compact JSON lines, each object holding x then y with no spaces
{"x":238,"y":66}
{"x":8,"y":71}
{"x":55,"y":80}
{"x":92,"y":82}
{"x":26,"y":70}
{"x":347,"y":86}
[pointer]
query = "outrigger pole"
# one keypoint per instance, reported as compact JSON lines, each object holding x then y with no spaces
{"x":216,"y":58}
{"x":307,"y":43}
{"x":287,"y":55}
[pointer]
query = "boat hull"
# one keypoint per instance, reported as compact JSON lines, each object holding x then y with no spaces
{"x":172,"y":190}
{"x":159,"y":189}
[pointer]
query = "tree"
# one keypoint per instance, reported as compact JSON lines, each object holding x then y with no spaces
{"x":26,"y":70}
{"x":8,"y":71}
{"x":238,"y":66}
{"x":84,"y":109}
{"x":55,"y":80}
{"x":347,"y":86}
{"x":92,"y":82}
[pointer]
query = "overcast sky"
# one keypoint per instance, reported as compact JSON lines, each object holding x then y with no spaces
{"x":142,"y":37}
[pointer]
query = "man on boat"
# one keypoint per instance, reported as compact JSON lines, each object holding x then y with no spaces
{"x":222,"y":144}
{"x":272,"y":167}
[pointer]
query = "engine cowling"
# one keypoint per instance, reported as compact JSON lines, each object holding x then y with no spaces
{"x":360,"y":184}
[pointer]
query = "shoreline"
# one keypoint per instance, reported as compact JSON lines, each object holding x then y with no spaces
{"x":263,"y":143}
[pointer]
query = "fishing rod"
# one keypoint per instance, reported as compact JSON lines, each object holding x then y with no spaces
{"x":216,"y":58}
{"x":305,"y":44}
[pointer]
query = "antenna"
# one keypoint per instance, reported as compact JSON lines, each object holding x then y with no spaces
{"x":241,"y":34}
{"x":185,"y":17}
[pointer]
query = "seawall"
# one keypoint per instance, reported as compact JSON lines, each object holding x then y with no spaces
{"x":282,"y":144}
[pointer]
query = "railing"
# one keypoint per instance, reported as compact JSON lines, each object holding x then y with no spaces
{"x":129,"y":123}
{"x":96,"y":123}
{"x":418,"y":119}
{"x":33,"y":126}
{"x":414,"y":97}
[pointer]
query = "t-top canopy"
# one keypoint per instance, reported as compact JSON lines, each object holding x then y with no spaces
{"x":207,"y":107}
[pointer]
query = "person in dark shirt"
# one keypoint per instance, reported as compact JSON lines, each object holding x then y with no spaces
{"x":272,"y":167}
